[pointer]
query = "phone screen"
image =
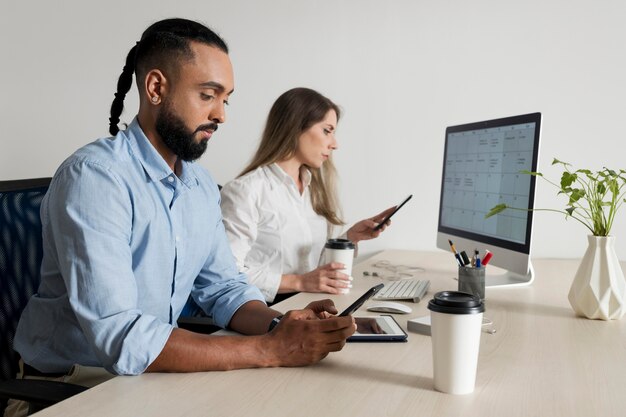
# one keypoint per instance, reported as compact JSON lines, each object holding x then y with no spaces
{"x":398,"y":207}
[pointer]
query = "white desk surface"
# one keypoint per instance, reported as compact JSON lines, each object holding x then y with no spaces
{"x":543,"y":361}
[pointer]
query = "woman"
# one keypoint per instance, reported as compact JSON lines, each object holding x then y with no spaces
{"x":282,"y":208}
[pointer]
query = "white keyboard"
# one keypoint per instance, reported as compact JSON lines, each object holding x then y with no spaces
{"x":405,"y":289}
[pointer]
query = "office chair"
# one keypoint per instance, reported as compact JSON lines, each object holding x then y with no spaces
{"x":20,"y":261}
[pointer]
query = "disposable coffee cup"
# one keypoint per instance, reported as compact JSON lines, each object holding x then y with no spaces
{"x":342,"y":251}
{"x":472,"y":281}
{"x":456,"y":320}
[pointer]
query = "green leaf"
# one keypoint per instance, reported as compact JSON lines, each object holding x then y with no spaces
{"x":567,"y":179}
{"x":495,"y":210}
{"x":590,"y":176}
{"x":601,"y":188}
{"x":570,"y":210}
{"x":556,"y":161}
{"x":576,"y":195}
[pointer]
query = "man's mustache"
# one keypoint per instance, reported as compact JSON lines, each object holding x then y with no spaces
{"x":208,"y":126}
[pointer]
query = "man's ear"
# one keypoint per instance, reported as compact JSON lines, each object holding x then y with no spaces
{"x":155,"y":86}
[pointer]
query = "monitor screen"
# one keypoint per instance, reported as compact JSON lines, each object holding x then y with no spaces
{"x":482,"y":167}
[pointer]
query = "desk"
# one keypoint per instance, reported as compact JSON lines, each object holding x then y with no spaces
{"x":543,"y":361}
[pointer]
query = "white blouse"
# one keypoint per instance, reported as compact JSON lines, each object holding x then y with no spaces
{"x":271,"y":227}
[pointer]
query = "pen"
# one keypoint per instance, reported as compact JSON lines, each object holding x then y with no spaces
{"x":487,"y":257}
{"x":456,"y":254}
{"x":477,"y":258}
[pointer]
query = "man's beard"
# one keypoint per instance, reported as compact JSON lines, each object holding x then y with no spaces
{"x":178,"y":138}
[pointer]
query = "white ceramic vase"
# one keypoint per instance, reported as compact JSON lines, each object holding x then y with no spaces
{"x":599,"y":289}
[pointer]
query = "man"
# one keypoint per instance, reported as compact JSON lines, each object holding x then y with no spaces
{"x":131,"y":227}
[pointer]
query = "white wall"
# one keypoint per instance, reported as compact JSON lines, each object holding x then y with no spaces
{"x":402,"y":71}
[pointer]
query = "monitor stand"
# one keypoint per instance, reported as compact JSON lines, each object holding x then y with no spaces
{"x":510,"y":279}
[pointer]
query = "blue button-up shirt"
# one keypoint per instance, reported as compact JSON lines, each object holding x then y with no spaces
{"x":125,"y":242}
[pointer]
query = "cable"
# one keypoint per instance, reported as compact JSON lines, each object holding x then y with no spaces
{"x":399,"y":271}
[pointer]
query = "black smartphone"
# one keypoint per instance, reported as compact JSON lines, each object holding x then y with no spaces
{"x":358,"y":303}
{"x":398,"y":207}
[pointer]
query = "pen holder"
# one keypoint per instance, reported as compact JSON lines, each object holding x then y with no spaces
{"x":472,"y":280}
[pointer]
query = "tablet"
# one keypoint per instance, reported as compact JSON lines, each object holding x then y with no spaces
{"x":378,"y":329}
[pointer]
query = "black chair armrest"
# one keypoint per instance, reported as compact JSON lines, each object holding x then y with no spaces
{"x":202,"y":325}
{"x":38,"y":392}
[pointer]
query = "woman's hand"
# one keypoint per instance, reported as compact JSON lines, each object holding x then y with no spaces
{"x":364,"y":230}
{"x":325,"y":278}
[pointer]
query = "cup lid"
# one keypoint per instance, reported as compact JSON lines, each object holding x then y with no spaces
{"x":339,"y":244}
{"x":456,"y":302}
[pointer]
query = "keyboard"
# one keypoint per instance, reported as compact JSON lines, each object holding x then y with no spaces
{"x":405,"y":289}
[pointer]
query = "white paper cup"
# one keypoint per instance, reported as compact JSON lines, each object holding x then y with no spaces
{"x":456,"y":320}
{"x":342,"y":251}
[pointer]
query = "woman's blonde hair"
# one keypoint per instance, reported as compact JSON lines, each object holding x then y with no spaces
{"x":292,"y":114}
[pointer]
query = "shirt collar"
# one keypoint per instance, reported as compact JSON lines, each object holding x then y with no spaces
{"x":305,"y":175}
{"x":152,"y":162}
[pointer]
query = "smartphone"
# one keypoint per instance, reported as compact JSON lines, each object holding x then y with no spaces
{"x":358,"y":303}
{"x":398,"y":207}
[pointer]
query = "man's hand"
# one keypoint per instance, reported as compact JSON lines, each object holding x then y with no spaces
{"x":323,"y":309}
{"x":302,"y":337}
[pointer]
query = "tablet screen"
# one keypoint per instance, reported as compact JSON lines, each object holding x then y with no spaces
{"x":377,"y":328}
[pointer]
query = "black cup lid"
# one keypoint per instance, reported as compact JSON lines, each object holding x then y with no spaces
{"x":456,"y":302}
{"x":339,"y":244}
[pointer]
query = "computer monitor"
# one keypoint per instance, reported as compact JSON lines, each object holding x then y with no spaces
{"x":481,"y":168}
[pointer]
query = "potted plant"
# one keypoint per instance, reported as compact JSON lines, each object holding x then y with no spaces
{"x":594,"y":198}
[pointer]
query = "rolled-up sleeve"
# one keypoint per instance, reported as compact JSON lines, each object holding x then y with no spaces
{"x":221,"y":288}
{"x":91,"y":217}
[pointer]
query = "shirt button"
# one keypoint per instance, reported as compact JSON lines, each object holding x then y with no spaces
{"x":178,"y":238}
{"x":170,"y":179}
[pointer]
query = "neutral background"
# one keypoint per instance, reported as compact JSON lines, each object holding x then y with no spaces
{"x":401,"y":70}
